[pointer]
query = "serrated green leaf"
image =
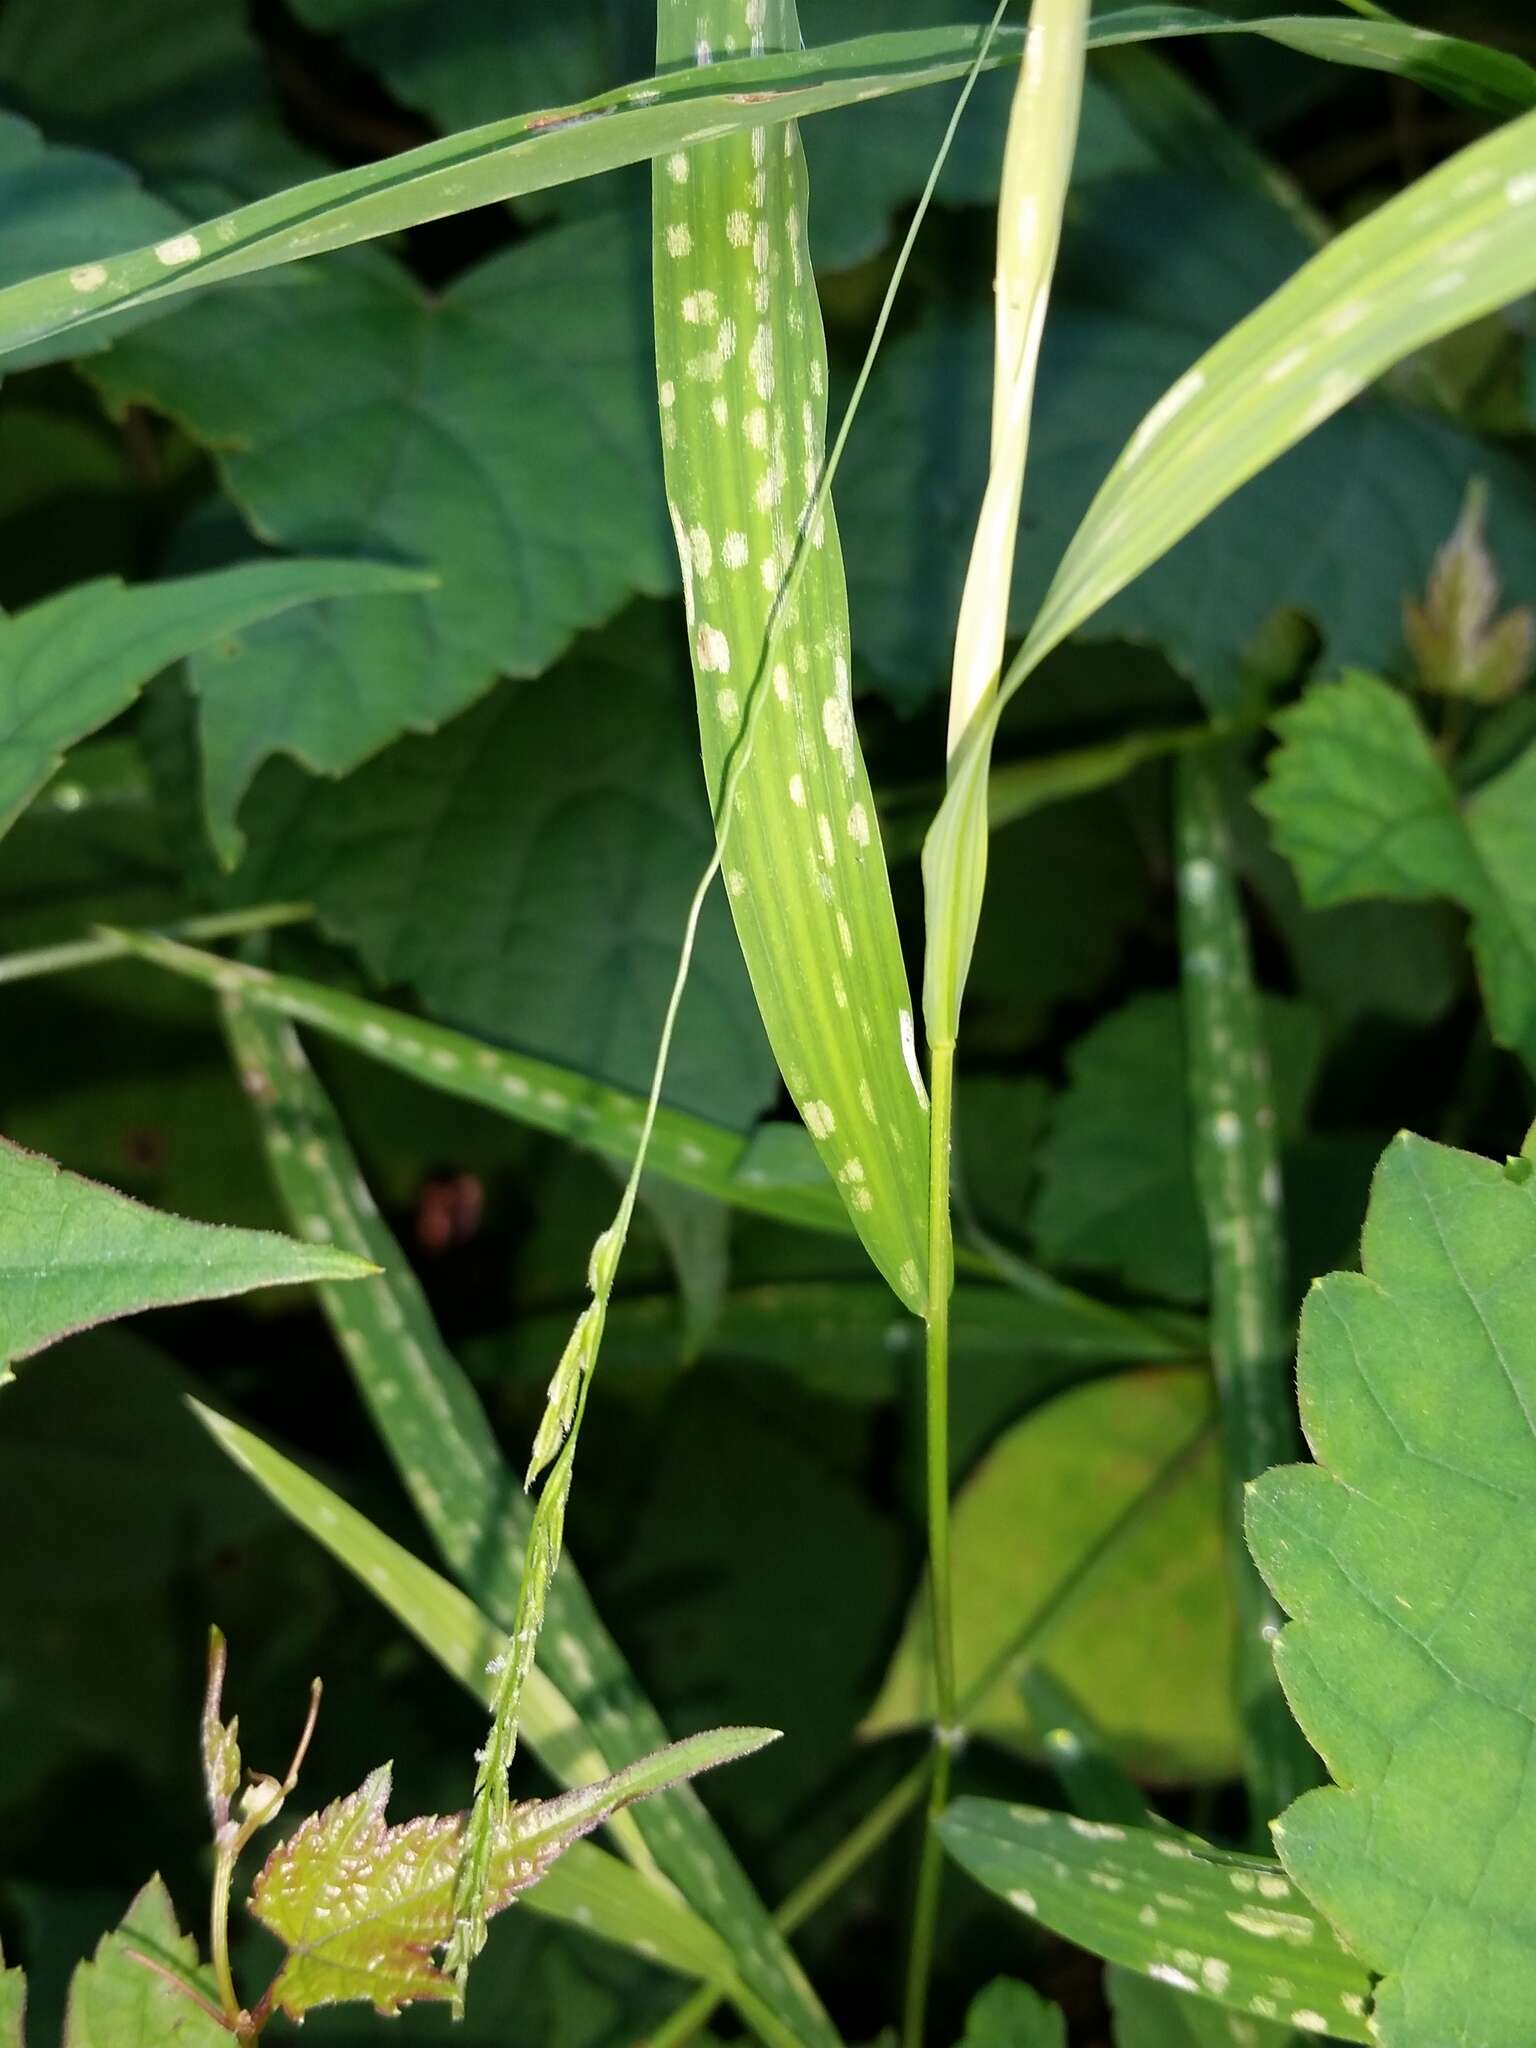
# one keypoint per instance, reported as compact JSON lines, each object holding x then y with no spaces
{"x":71,"y":663}
{"x":1151,"y":2015}
{"x":533,"y":151}
{"x":449,"y":1460}
{"x":1224,"y":1927}
{"x":741,"y":364}
{"x":117,"y":2002}
{"x":1010,"y":2015}
{"x":74,"y":1253}
{"x":1089,"y":1540}
{"x":1403,"y":1556}
{"x":1362,"y":807}
{"x":360,"y":1905}
{"x":696,"y":1154}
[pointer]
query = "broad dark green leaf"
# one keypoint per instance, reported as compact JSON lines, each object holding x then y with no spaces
{"x":1090,"y":1539}
{"x":1362,"y":806}
{"x":116,"y":2002}
{"x":1229,"y":1928}
{"x":464,"y":431}
{"x":628,"y":125}
{"x":74,"y":1253}
{"x":527,"y":871}
{"x":71,"y":663}
{"x":1117,"y":1172}
{"x":1405,"y":1557}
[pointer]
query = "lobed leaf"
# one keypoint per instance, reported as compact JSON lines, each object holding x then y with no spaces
{"x":742,"y":370}
{"x":361,"y":1905}
{"x":73,"y":662}
{"x":116,"y":2001}
{"x":74,"y":1254}
{"x":1404,"y":1557}
{"x":531,"y":152}
{"x":1228,"y":1928}
{"x":1362,"y":806}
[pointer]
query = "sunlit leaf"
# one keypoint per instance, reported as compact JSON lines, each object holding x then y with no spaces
{"x":1405,"y":1556}
{"x":117,"y":2001}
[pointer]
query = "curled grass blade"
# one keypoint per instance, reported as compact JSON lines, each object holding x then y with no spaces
{"x":431,"y":1421}
{"x":741,"y":368}
{"x":531,"y":152}
{"x":1457,"y":244}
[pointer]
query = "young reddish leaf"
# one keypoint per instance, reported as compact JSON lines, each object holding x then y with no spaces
{"x":220,"y":1738}
{"x":362,"y":1906}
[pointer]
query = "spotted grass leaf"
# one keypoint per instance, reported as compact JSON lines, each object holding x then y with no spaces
{"x":1229,"y":1928}
{"x":741,"y":368}
{"x":1404,"y":1557}
{"x":74,"y":1253}
{"x":1457,"y":244}
{"x":1362,"y":806}
{"x":531,"y":152}
{"x":1148,"y":2014}
{"x":430,"y":1420}
{"x":361,"y":1905}
{"x":687,"y":1149}
{"x":1112,"y":1577}
{"x":118,"y":2001}
{"x":74,"y":661}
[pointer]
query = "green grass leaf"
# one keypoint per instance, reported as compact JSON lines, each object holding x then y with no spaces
{"x":628,"y":125}
{"x":74,"y":1254}
{"x":360,"y":1905}
{"x":732,"y":1166}
{"x":1455,"y":245}
{"x":741,"y":363}
{"x":1148,"y":2014}
{"x":116,"y":2002}
{"x":1224,"y":1927}
{"x":1115,"y":1559}
{"x":1361,"y":806}
{"x":1403,"y":1557}
{"x":73,"y":662}
{"x":435,"y":1430}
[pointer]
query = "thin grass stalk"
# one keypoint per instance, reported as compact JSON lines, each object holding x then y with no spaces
{"x":221,"y":924}
{"x":1237,"y":1169}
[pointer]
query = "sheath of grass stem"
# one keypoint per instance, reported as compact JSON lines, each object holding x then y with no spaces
{"x":741,"y":369}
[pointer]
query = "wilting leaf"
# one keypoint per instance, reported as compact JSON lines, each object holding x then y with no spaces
{"x":74,"y":1253}
{"x":360,"y":1905}
{"x":1405,"y":1556}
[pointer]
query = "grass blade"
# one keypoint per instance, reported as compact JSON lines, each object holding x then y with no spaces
{"x":1232,"y":1929}
{"x":432,"y":1423}
{"x":1237,"y":1170}
{"x":741,"y":365}
{"x":531,"y":152}
{"x":1457,"y":244}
